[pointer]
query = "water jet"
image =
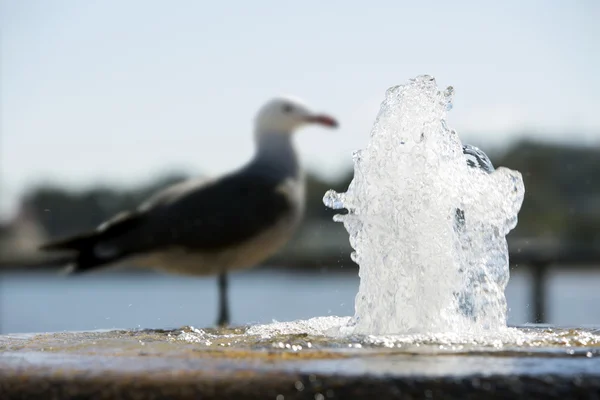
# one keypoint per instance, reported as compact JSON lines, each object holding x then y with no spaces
{"x":427,"y":218}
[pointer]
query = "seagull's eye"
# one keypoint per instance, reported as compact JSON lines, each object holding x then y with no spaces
{"x":287,"y":108}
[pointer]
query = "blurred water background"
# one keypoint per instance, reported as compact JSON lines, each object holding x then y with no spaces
{"x":48,"y":303}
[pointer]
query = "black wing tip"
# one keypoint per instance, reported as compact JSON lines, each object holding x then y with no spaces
{"x":71,"y":243}
{"x":49,"y":246}
{"x":56,"y":246}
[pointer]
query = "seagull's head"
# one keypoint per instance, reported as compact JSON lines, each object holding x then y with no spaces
{"x":283,"y":115}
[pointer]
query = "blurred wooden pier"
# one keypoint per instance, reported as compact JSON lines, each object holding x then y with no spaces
{"x":540,"y":257}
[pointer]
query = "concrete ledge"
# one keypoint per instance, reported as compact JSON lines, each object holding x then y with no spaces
{"x":91,"y":366}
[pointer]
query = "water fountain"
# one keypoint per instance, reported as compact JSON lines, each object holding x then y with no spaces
{"x":427,"y":217}
{"x":427,"y":228}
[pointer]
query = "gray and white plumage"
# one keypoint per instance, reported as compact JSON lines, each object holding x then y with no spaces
{"x":204,"y":227}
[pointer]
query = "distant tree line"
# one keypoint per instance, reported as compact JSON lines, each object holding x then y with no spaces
{"x":562,"y":199}
{"x":562,"y":190}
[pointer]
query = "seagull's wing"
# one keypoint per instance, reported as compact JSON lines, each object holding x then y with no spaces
{"x":125,"y":221}
{"x":219,"y":214}
{"x":196,"y":215}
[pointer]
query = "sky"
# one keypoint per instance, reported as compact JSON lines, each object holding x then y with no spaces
{"x":123,"y":91}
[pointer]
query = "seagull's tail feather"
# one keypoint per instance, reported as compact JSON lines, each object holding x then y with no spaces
{"x":91,"y":248}
{"x":70,"y":243}
{"x":86,"y":256}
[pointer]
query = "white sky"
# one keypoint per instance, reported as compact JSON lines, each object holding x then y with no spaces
{"x":119,"y":91}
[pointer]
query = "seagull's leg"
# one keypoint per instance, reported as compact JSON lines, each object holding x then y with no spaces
{"x":223,"y":300}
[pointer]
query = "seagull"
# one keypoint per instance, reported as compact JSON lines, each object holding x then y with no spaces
{"x":203,"y":227}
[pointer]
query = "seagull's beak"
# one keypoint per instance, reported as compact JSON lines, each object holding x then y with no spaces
{"x":322,"y":119}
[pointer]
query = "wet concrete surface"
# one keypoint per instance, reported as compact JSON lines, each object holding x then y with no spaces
{"x":231,"y":364}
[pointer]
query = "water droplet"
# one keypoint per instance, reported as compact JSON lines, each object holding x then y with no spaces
{"x":334,"y":200}
{"x":338,"y":218}
{"x":393,"y":91}
{"x":448,"y":95}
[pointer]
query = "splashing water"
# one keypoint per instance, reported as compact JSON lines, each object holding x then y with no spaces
{"x":427,"y":223}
